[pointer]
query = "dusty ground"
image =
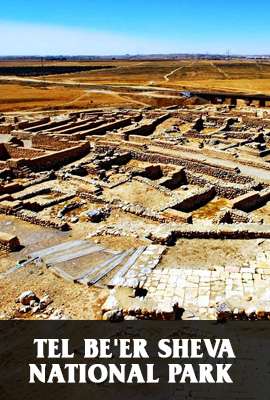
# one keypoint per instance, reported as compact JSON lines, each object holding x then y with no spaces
{"x":200,"y":253}
{"x":15,"y":97}
{"x":27,"y":93}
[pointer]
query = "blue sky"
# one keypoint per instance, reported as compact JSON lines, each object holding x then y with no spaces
{"x":134,"y":26}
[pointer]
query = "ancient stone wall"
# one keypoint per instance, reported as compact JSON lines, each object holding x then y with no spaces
{"x":196,"y":200}
{"x":9,"y":242}
{"x":49,"y":125}
{"x":30,"y":124}
{"x":51,"y":142}
{"x":6,"y":128}
{"x":17,"y":152}
{"x":34,"y":218}
{"x":251,"y":200}
{"x":194,"y":165}
{"x":223,"y":189}
{"x":55,"y":160}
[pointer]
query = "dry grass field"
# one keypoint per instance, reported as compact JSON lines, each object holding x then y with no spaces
{"x":20,"y":97}
{"x":39,"y":93}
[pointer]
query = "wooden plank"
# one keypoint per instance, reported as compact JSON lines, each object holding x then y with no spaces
{"x":95,"y":269}
{"x":102,"y":269}
{"x":62,"y":274}
{"x":114,"y":281}
{"x":113,"y":265}
{"x":58,"y":247}
{"x":71,"y":255}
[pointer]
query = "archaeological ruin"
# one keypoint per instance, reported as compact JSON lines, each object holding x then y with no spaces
{"x":153,"y":209}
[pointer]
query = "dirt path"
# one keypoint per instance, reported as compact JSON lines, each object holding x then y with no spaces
{"x":82,"y":85}
{"x":226,"y":76}
{"x":166,"y":77}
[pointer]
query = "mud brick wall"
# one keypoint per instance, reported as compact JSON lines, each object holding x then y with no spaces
{"x":239,"y":135}
{"x":56,"y":159}
{"x":119,"y":159}
{"x":155,"y":185}
{"x":23,"y":135}
{"x":3,"y":152}
{"x":51,"y":142}
{"x":6,"y":128}
{"x":194,"y":201}
{"x":34,"y":218}
{"x":115,"y":136}
{"x":196,"y":166}
{"x":195,"y":134}
{"x":139,"y":139}
{"x":232,"y":217}
{"x":147,"y":128}
{"x":256,"y":122}
{"x":176,"y":216}
{"x":170,"y":233}
{"x":29,"y":124}
{"x":17,"y":152}
{"x":101,"y":130}
{"x":40,"y":179}
{"x":247,"y":202}
{"x":228,"y":191}
{"x":49,"y":125}
{"x":251,"y":200}
{"x":10,"y":188}
{"x":205,"y":151}
{"x":37,"y":206}
{"x":9,"y":207}
{"x":9,"y":242}
{"x":91,"y":197}
{"x":258,"y":163}
{"x":29,"y":193}
{"x":78,"y":127}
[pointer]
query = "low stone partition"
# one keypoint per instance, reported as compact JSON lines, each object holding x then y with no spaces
{"x":196,"y":200}
{"x":256,"y":122}
{"x":35,"y":205}
{"x":51,"y":124}
{"x":28,"y":193}
{"x":22,"y":135}
{"x":103,"y":129}
{"x":17,"y":152}
{"x":9,"y":242}
{"x":171,"y":215}
{"x":146,"y":127}
{"x":222,"y":173}
{"x":225,"y":189}
{"x":54,"y":160}
{"x":10,"y":188}
{"x":51,"y":142}
{"x":251,"y":200}
{"x":169,"y":233}
{"x":30,"y":124}
{"x":228,"y":216}
{"x":10,"y":207}
{"x":6,"y":128}
{"x":34,"y":218}
{"x":156,"y":185}
{"x":44,"y":177}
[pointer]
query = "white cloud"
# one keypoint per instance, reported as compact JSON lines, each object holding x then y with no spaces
{"x":37,"y":39}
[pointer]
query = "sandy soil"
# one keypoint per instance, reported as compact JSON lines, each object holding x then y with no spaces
{"x":203,"y":253}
